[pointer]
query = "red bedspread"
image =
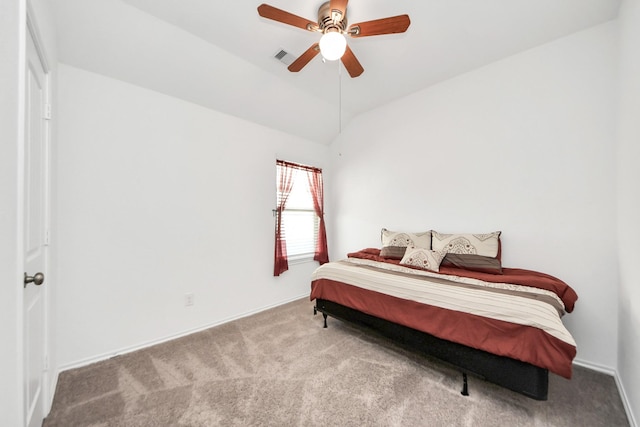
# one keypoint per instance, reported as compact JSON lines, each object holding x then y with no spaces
{"x":525,"y":343}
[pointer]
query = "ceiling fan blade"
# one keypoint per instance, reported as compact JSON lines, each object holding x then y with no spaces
{"x":351,"y":63}
{"x":391,"y":25}
{"x":304,"y":59}
{"x":340,"y":5}
{"x":285,"y":17}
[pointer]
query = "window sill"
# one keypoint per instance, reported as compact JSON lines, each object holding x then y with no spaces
{"x":300,"y":260}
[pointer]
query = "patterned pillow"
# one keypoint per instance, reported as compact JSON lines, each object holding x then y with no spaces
{"x":423,"y":258}
{"x":478,"y":244}
{"x":399,"y":238}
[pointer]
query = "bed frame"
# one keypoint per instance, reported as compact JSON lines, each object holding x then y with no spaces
{"x":512,"y":374}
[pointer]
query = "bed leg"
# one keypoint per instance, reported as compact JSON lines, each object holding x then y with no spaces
{"x":315,"y":310}
{"x":325,"y":319}
{"x":465,"y":385}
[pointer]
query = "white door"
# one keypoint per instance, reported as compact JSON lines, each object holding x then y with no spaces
{"x":35,"y":232}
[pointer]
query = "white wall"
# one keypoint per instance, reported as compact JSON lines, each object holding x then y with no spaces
{"x":12,"y":25}
{"x":524,"y":145}
{"x":629,"y":203}
{"x":157,"y":198}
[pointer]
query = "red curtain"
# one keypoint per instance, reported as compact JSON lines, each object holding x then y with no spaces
{"x":285,"y":183}
{"x":315,"y":185}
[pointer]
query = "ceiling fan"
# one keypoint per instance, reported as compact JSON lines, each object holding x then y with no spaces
{"x":332,"y":23}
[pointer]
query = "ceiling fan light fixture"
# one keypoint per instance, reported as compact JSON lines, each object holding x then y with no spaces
{"x":333,"y":44}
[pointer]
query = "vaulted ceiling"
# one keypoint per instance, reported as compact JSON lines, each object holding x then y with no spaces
{"x":220,"y":54}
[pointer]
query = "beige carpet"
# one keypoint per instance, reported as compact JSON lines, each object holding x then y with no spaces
{"x":281,"y":368}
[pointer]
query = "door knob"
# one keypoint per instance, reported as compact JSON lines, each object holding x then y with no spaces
{"x":37,"y":279}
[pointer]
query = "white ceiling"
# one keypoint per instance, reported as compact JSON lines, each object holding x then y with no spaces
{"x":220,"y":54}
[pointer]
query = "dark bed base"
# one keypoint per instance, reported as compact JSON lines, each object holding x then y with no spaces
{"x":515,"y":375}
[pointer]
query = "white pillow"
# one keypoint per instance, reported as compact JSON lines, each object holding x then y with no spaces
{"x":422,"y":258}
{"x":399,"y":238}
{"x":479,"y":244}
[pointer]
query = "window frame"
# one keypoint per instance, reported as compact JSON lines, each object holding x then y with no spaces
{"x":296,"y":256}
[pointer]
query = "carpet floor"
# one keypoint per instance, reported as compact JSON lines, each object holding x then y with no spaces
{"x":281,"y":368}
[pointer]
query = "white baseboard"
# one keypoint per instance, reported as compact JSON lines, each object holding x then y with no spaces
{"x":619,"y":385}
{"x":125,"y":350}
{"x":595,"y":367}
{"x":625,"y":401}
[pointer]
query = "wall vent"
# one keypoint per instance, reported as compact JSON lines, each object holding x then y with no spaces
{"x":284,"y":57}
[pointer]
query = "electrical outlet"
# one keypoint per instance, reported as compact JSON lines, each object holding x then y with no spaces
{"x":188,"y":299}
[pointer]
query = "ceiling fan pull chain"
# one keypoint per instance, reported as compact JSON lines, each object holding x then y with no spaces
{"x":339,"y":97}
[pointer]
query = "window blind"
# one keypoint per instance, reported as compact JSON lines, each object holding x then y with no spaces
{"x":299,"y":220}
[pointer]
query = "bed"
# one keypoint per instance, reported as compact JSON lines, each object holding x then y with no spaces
{"x":501,"y":324}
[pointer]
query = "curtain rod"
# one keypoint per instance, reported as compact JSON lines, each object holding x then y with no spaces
{"x":298,"y":165}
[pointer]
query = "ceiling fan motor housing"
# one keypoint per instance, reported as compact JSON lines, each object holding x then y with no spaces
{"x":329,"y":20}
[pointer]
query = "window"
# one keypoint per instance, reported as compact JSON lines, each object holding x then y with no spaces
{"x":299,"y":219}
{"x":300,"y":230}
